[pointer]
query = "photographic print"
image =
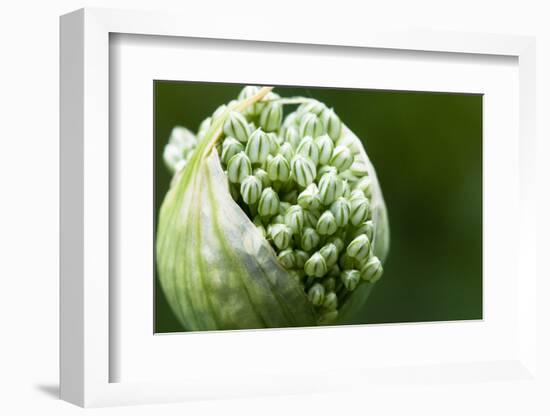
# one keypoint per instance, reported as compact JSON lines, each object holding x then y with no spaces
{"x":284,"y":206}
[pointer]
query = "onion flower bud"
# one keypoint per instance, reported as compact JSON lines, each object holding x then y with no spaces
{"x":360,"y":209}
{"x":326,"y":147}
{"x":271,"y":117}
{"x":230,"y":148}
{"x":258,"y":147}
{"x":372,"y":270}
{"x":303,"y":170}
{"x":310,"y":125}
{"x":251,"y":189}
{"x":330,"y":254}
{"x":238,"y":168}
{"x":269,"y":203}
{"x":271,"y":220}
{"x":350,"y":278}
{"x":236,"y":126}
{"x":278,"y":169}
{"x":309,"y":149}
{"x":316,"y":266}
{"x":287,"y":258}
{"x":316,"y":294}
{"x":310,"y":239}
{"x":331,"y":187}
{"x":292,"y":136}
{"x":332,"y":123}
{"x":341,"y":158}
{"x":359,"y":248}
{"x":281,"y":235}
{"x":308,"y":198}
{"x":341,"y":211}
{"x":294,"y":218}
{"x":326,"y":225}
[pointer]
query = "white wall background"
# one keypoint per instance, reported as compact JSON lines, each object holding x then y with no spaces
{"x":29,"y":207}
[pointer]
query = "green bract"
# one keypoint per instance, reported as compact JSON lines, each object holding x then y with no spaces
{"x":273,"y":218}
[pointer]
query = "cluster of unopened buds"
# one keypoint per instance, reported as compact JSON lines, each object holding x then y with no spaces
{"x":306,"y":191}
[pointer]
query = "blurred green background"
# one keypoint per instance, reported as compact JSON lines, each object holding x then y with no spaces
{"x":427,"y":151}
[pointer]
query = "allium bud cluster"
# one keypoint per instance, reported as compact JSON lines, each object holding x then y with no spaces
{"x":303,"y":189}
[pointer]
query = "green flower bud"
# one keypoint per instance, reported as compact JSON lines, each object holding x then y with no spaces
{"x":356,"y":193}
{"x":331,"y":301}
{"x":308,"y":198}
{"x":330,"y":188}
{"x":309,"y":149}
{"x":360,"y":209}
{"x":341,"y":158}
{"x":271,"y":117}
{"x":300,"y":258}
{"x":274,"y":144}
{"x":251,"y":189}
{"x":332,"y":124}
{"x":323,"y":170}
{"x":219,"y":111}
{"x":292,"y":136}
{"x":337,"y":241}
{"x":326,"y":225}
{"x":287,"y":151}
{"x":330,"y":254}
{"x":294,"y":218}
{"x":230,"y":148}
{"x":172,"y":155}
{"x":263,"y":177}
{"x":182,"y":138}
{"x":303,"y":170}
{"x":310,"y":125}
{"x":350,"y":279}
{"x":278,"y":169}
{"x":365,"y":184}
{"x":203,"y":127}
{"x":238,"y":167}
{"x":366,"y":228}
{"x":326,"y":147}
{"x":316,"y":294}
{"x":312,"y":106}
{"x":281,"y":236}
{"x":329,"y":283}
{"x":311,"y":217}
{"x":236,"y":126}
{"x":358,"y":169}
{"x":258,"y":146}
{"x":316,"y":266}
{"x":287,"y":258}
{"x":372,"y":270}
{"x":359,"y":247}
{"x":341,"y":210}
{"x":247,"y":92}
{"x":310,"y":239}
{"x":269,"y":203}
{"x":347,"y":189}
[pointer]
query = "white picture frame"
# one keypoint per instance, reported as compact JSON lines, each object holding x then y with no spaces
{"x":86,"y":353}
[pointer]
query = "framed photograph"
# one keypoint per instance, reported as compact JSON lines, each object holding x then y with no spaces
{"x":273,"y":214}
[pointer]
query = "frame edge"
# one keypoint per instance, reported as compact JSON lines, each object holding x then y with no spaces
{"x":71,"y":216}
